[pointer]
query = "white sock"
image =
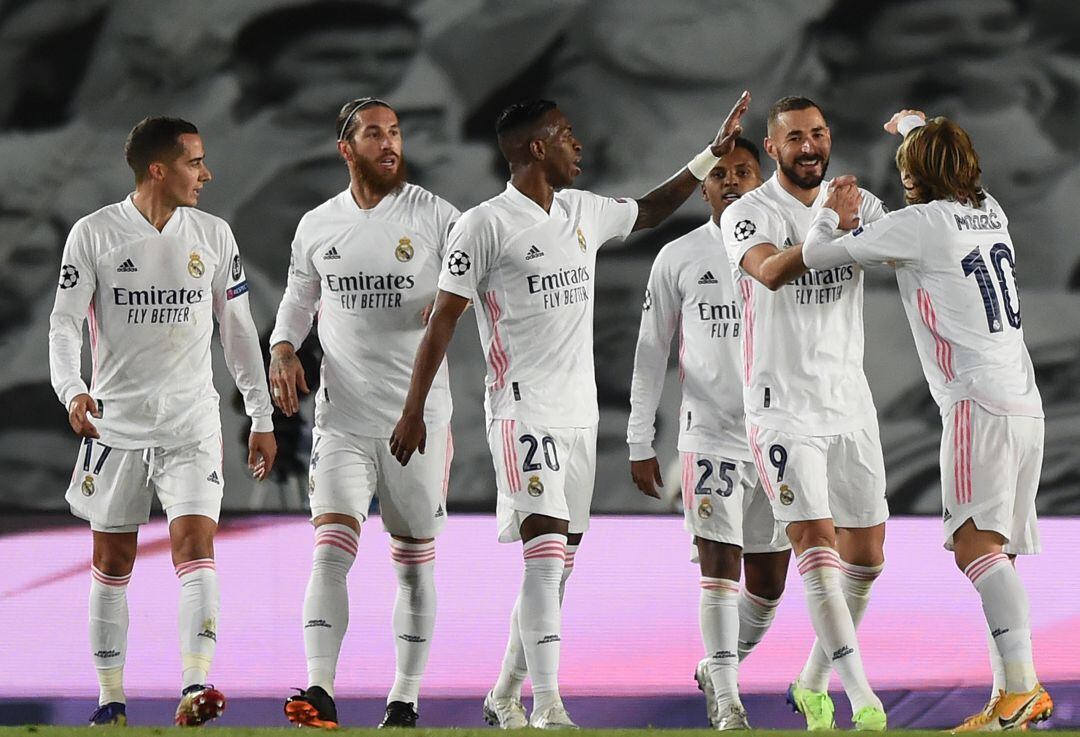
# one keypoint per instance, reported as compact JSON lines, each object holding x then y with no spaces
{"x":198,"y":618}
{"x":997,"y":665}
{"x":514,"y":671}
{"x":539,"y":616}
{"x":756,"y":615}
{"x":108,"y":633}
{"x":1005,"y":605}
{"x":326,"y":602}
{"x":820,"y":571}
{"x":856,"y":581}
{"x":718,"y":615}
{"x":414,"y":616}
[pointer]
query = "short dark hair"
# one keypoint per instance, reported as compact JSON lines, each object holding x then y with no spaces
{"x":153,"y":139}
{"x":749,"y":145}
{"x":521,"y":114}
{"x":347,"y":118}
{"x":789,"y":103}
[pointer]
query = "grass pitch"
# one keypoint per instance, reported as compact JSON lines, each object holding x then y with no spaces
{"x":44,"y":731}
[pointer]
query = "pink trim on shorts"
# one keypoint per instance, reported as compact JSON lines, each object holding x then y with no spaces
{"x":962,"y":436}
{"x":759,"y":462}
{"x":449,"y":458}
{"x":688,"y":480}
{"x":510,"y":455}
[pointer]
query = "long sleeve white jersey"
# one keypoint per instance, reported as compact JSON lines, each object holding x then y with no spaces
{"x":690,"y":290}
{"x":150,"y":299}
{"x":369,"y":274}
{"x":802,"y":344}
{"x":954,"y":266}
{"x":531,"y":274}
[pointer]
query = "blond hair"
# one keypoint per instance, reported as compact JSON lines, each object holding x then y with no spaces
{"x":942,"y":163}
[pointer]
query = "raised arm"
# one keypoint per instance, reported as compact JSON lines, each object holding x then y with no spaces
{"x":660,"y":203}
{"x":410,"y":433}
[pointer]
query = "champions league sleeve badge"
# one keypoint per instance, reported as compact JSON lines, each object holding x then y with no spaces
{"x":69,"y":276}
{"x":404,"y":250}
{"x":238,"y":268}
{"x":195,"y":266}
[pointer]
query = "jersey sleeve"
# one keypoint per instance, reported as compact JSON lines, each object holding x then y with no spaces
{"x":614,"y":216}
{"x":74,"y":295}
{"x":471,"y":251}
{"x":446,"y":216}
{"x":893,"y":238}
{"x":872,"y":209}
{"x":239,"y":338}
{"x":660,"y":314}
{"x":744,"y":226}
{"x":303,"y":290}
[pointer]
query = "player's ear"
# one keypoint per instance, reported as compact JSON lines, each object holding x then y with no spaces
{"x":343,"y":149}
{"x":537,"y":149}
{"x":770,"y":148}
{"x":157,"y":171}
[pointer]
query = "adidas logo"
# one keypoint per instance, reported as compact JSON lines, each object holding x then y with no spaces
{"x":213,"y":478}
{"x":332,"y":253}
{"x":787,"y":242}
{"x":439,"y":512}
{"x":127,"y":266}
{"x":707,"y":278}
{"x":947,"y":516}
{"x":533,"y":252}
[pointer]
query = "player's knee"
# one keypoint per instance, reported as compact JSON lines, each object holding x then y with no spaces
{"x":765,"y":574}
{"x":118,"y":562}
{"x":192,"y":547}
{"x":719,"y":560}
{"x":811,"y":534}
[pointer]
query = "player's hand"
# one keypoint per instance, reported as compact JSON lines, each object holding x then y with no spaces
{"x":286,"y":374}
{"x":82,"y":405}
{"x":732,"y":127}
{"x":892,"y":123}
{"x":409,"y":436}
{"x":844,"y":198}
{"x":646,"y":475}
{"x":262,"y":450}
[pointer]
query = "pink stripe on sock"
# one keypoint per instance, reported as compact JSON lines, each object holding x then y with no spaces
{"x":201,"y":564}
{"x":717,"y":584}
{"x":107,"y":580}
{"x":859,"y":573}
{"x":767,"y":603}
{"x":816,"y":558}
{"x":981,"y":566}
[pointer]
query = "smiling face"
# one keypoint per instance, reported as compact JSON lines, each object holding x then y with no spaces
{"x":182,"y":179}
{"x":800,"y":143}
{"x":733,"y":176}
{"x":373,"y":151}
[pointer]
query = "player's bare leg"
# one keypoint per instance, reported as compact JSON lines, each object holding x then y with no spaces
{"x":815,"y":545}
{"x":980,"y":555}
{"x":192,"y":538}
{"x":718,"y":616}
{"x":414,"y":622}
{"x":764,"y":576}
{"x":326,"y":618}
{"x":862,"y":558}
{"x":113,"y":561}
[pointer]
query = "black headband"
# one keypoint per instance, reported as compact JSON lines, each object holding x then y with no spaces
{"x":362,"y":103}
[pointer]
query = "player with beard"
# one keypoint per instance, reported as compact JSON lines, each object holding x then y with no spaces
{"x":724,"y":505}
{"x":528,"y":256}
{"x":367,"y":260}
{"x":811,"y":419}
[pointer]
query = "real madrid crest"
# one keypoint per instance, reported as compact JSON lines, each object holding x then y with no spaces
{"x":581,"y":241}
{"x":404,"y":250}
{"x":195,"y":266}
{"x":88,"y":485}
{"x":704,"y":509}
{"x":787,"y":496}
{"x":536,"y":487}
{"x":311,"y":485}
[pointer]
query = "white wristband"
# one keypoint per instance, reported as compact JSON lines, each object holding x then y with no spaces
{"x":702,"y":164}
{"x":909,"y":123}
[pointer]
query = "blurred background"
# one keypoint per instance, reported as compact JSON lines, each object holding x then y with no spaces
{"x":645,"y":84}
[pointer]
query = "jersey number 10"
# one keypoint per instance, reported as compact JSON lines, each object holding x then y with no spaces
{"x":974,"y":264}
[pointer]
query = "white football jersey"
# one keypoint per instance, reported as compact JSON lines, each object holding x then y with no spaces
{"x":369,"y":274}
{"x":150,"y":299}
{"x":955,"y":268}
{"x":530,"y":274}
{"x":803,"y":343}
{"x":690,"y":290}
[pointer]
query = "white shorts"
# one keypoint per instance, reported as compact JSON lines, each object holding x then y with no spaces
{"x":723,"y":501}
{"x":990,"y":468}
{"x":346,"y":471}
{"x":548,"y":471}
{"x":113,"y":488}
{"x":837,"y":477}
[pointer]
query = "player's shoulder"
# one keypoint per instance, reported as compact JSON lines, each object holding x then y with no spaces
{"x":100,"y":220}
{"x":204,"y":219}
{"x":754,"y":204}
{"x":688,"y":243}
{"x":427,"y":208}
